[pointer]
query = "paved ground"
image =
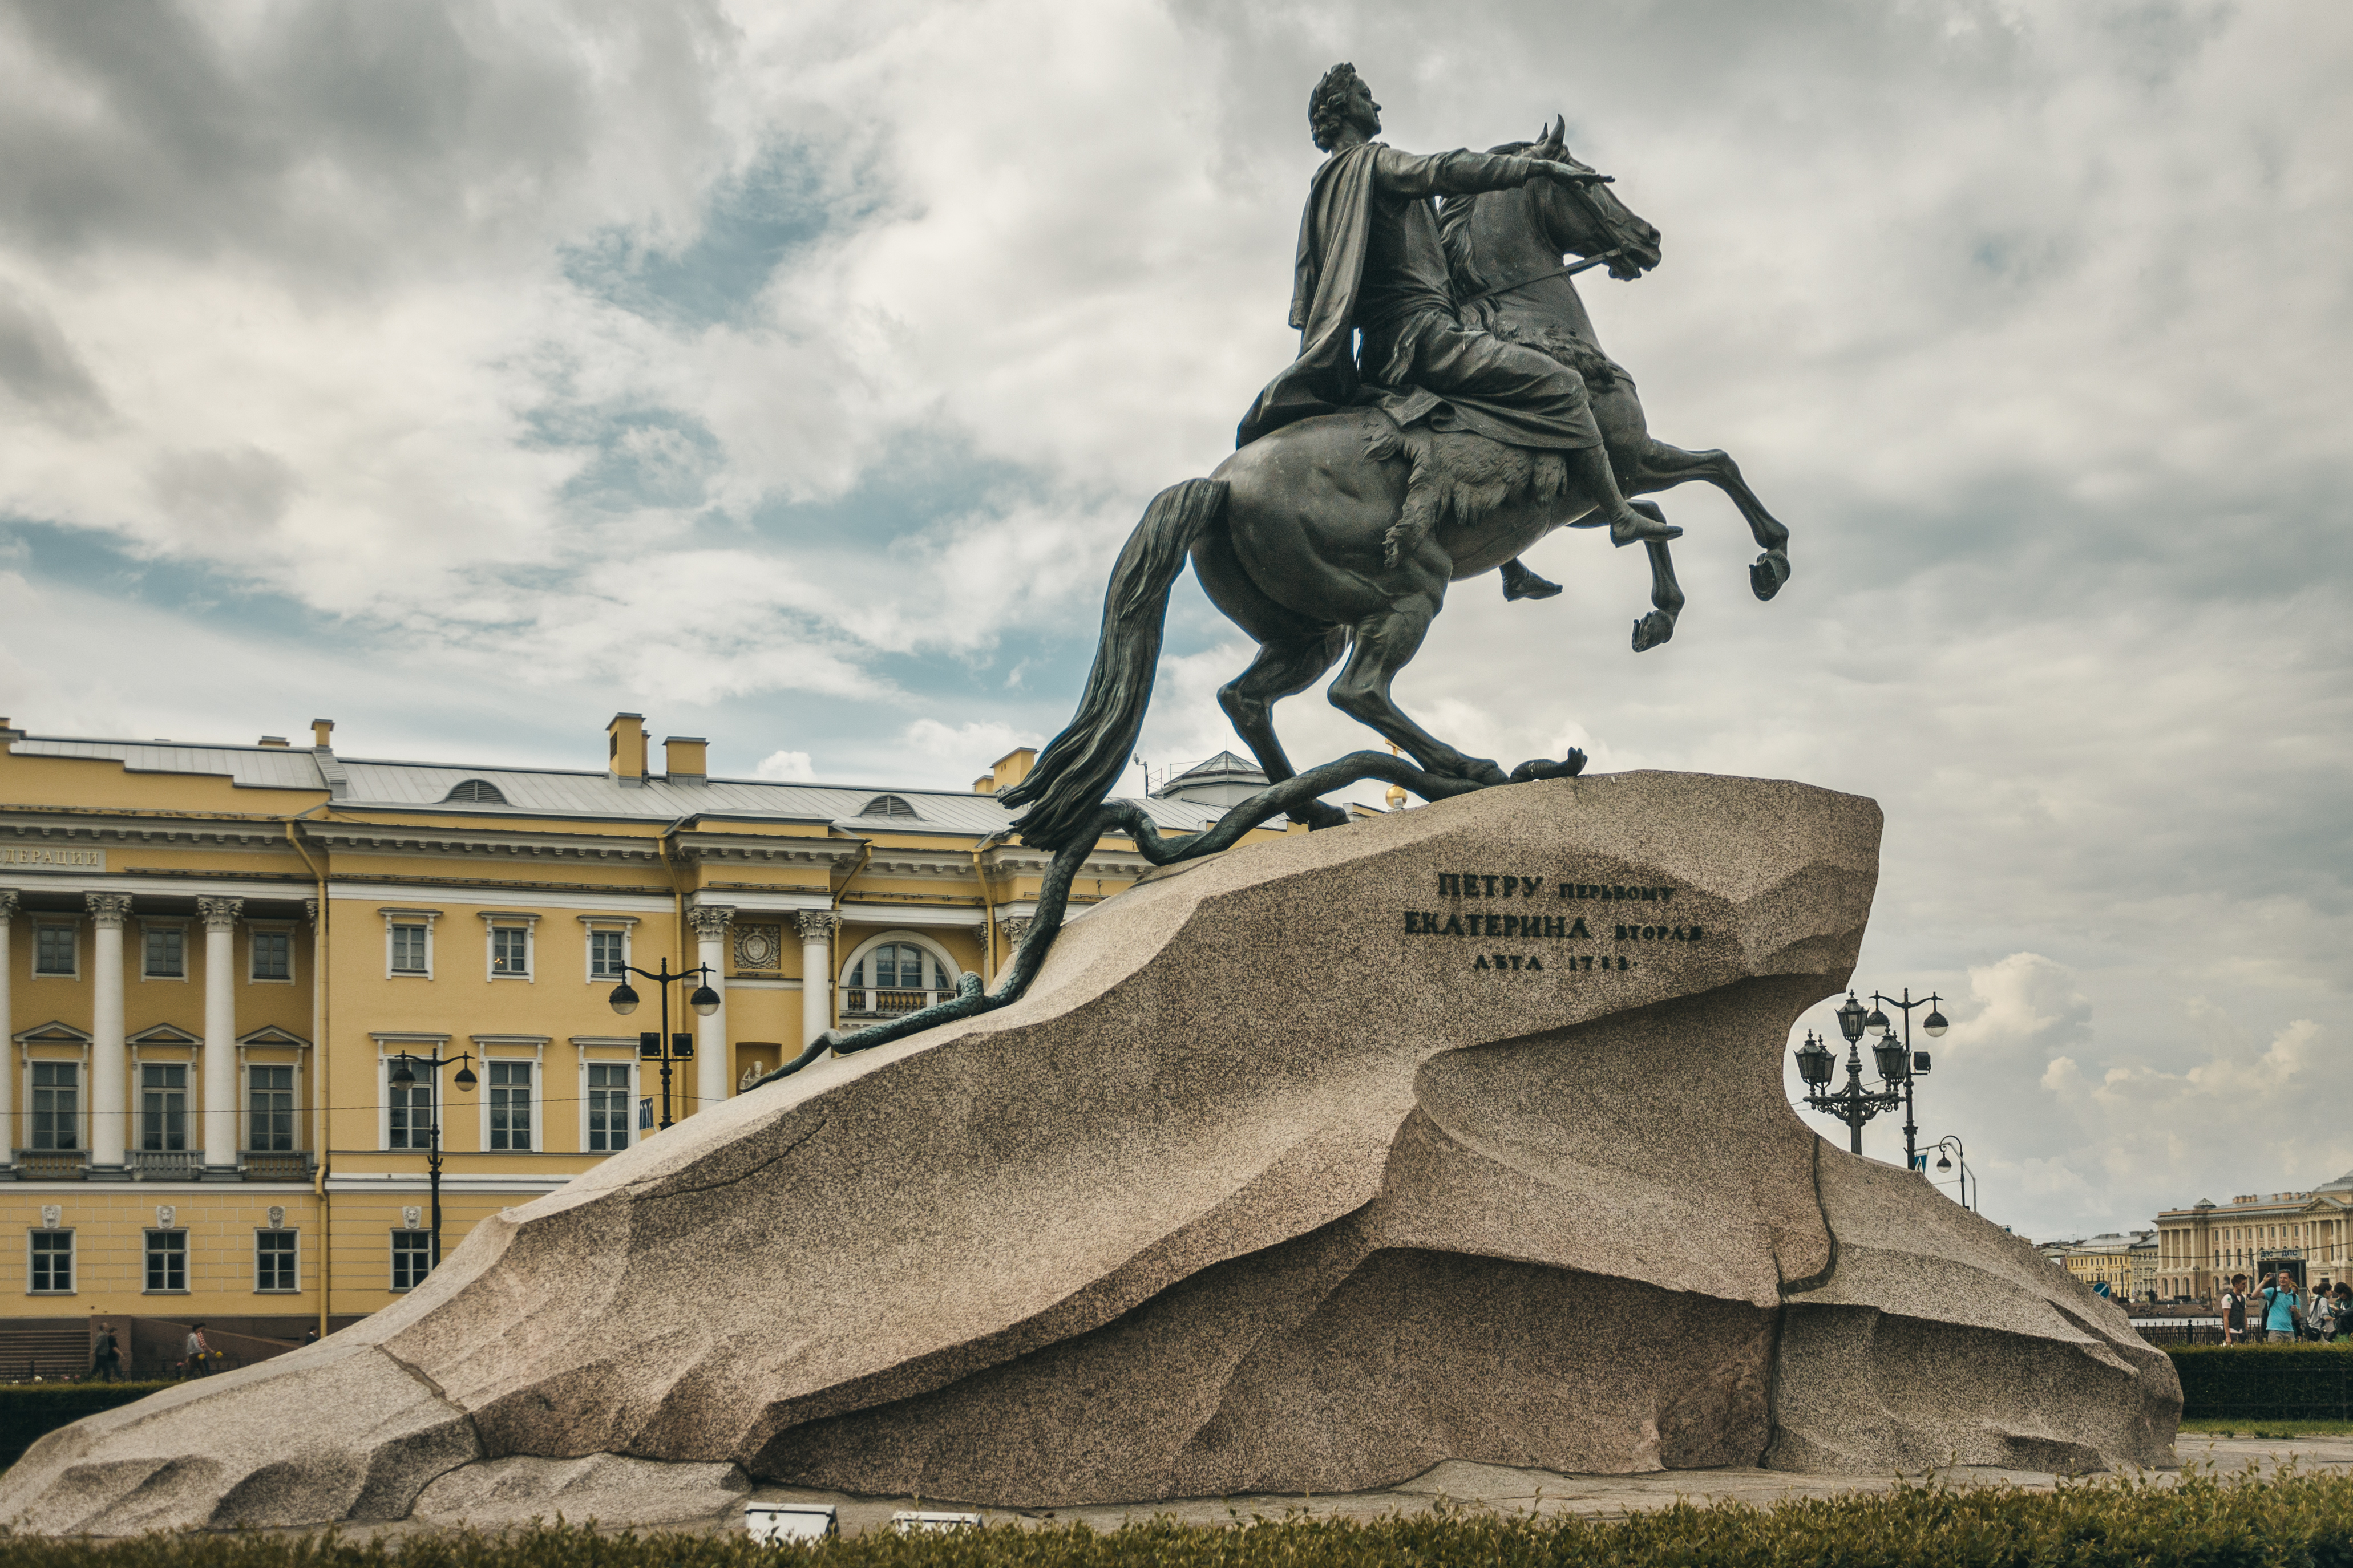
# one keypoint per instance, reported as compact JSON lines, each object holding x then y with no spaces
{"x":1542,"y":1491}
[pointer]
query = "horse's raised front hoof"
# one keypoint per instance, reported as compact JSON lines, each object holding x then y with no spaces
{"x":1568,"y":767}
{"x":1318,"y":814}
{"x":1766,"y":575}
{"x":1653,"y":629}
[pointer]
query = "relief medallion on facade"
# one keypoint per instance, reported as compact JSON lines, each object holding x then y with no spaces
{"x":759,"y":946}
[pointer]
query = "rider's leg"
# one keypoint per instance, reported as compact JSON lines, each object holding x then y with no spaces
{"x":1588,"y":469}
{"x":1519,"y":582}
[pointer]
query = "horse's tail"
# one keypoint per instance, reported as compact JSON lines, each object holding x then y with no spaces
{"x":1076,"y":770}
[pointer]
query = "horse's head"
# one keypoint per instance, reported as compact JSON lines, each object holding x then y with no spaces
{"x":1586,"y":220}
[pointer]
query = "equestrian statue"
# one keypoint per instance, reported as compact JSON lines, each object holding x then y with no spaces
{"x":1450,"y":407}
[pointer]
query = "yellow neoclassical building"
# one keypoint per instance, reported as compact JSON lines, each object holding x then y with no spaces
{"x":227,"y":968}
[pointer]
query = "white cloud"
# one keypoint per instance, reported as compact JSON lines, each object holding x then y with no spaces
{"x":787,"y":767}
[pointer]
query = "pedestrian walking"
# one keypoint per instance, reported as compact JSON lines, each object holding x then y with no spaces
{"x":105,"y":1357}
{"x":2320,"y":1320}
{"x":2342,"y":1299}
{"x":2234,"y":1311}
{"x":199,"y":1353}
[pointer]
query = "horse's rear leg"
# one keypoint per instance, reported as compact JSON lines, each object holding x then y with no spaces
{"x":1385,"y":642}
{"x":1663,"y":467}
{"x":1283,"y":668}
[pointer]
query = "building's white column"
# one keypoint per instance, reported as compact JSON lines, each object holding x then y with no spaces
{"x":219,"y":916}
{"x":7,"y":1030}
{"x":110,"y":1072}
{"x":711,"y":1078}
{"x":816,"y":927}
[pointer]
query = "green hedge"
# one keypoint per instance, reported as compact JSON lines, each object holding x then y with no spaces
{"x":2259,"y":1383}
{"x":2290,"y":1520}
{"x":29,"y":1411}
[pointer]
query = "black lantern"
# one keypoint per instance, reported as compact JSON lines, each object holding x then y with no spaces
{"x":624,"y":999}
{"x":704,"y":1000}
{"x":1892,"y":1058}
{"x":1851,"y":1019}
{"x":1934,"y":1024}
{"x":1814,"y":1061}
{"x":1878,"y":1020}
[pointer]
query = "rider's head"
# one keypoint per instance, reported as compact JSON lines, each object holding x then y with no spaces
{"x":1340,"y":100}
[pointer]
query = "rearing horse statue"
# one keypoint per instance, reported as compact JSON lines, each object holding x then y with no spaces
{"x":1290,"y":536}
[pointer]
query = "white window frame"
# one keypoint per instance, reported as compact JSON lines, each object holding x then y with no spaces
{"x":148,"y":927}
{"x":245,"y":1071}
{"x":532,"y":1048}
{"x":187,"y":1261}
{"x":73,"y":1252}
{"x":191,"y":1100}
{"x":392,"y":917}
{"x":72,"y":928}
{"x":605,"y":1053}
{"x":496,"y":920}
{"x":80,"y":1065}
{"x":392,"y":1251}
{"x":590,"y":925}
{"x":286,"y":929}
{"x":259,"y":1288}
{"x":387,"y":1047}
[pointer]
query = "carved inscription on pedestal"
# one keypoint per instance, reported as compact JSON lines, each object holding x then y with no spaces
{"x":1519,"y":909}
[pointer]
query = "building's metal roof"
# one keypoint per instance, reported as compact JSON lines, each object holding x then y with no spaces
{"x":408,"y":786}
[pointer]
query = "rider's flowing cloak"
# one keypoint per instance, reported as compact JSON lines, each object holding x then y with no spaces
{"x":1334,"y":234}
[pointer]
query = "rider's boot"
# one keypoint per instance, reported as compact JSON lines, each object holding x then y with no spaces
{"x":1519,"y":582}
{"x":1626,"y":526}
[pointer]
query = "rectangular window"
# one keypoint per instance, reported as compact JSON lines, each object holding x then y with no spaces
{"x":273,"y":1260}
{"x":53,"y":949}
{"x":412,"y":1258}
{"x":269,"y":1118}
{"x":408,"y":950}
{"x":56,"y":1105}
{"x":509,"y":1104}
{"x":510,"y":950}
{"x":166,"y":952}
{"x":609,"y":1106}
{"x":164,"y":1107}
{"x":273,"y":956}
{"x":167,"y":1260}
{"x":53,"y":1253}
{"x":606,"y":955}
{"x":412,"y":1114}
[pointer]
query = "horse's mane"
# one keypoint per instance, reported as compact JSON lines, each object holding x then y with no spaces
{"x":1454,"y":229}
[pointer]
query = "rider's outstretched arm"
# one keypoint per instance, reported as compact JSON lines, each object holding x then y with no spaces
{"x":1461,"y":173}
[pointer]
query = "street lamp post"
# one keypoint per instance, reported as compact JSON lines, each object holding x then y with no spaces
{"x":1932,"y":1026}
{"x":1945,"y":1163}
{"x":666,"y":1047}
{"x":403,"y":1076}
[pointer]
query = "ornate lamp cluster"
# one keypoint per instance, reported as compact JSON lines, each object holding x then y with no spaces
{"x":403,"y":1076}
{"x":1898,"y":1065}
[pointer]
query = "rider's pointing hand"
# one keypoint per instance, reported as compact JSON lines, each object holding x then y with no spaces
{"x":1570,"y":175}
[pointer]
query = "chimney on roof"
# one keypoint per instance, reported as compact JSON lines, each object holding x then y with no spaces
{"x":1013,"y":767}
{"x":625,"y":749}
{"x":684,"y":758}
{"x":273,"y":741}
{"x":321,"y":732}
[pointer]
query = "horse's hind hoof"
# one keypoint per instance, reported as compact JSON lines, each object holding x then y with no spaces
{"x":1653,"y":629}
{"x":1768,"y":572}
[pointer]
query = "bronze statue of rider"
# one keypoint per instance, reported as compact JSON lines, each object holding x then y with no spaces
{"x":1370,"y":264}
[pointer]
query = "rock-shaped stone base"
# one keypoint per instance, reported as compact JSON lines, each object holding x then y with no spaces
{"x":1458,"y":1134}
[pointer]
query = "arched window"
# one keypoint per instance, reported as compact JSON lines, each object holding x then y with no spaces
{"x":894,"y":977}
{"x":479,"y":789}
{"x":887,"y":805}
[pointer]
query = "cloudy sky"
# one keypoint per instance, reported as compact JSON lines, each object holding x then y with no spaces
{"x":790,"y":372}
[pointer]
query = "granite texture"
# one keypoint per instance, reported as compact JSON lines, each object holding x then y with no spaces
{"x":1269,"y":1184}
{"x":601,"y":1488}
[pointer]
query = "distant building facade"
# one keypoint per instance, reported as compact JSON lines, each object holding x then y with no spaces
{"x":2308,"y":1234}
{"x":2126,"y":1264}
{"x":216,"y":961}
